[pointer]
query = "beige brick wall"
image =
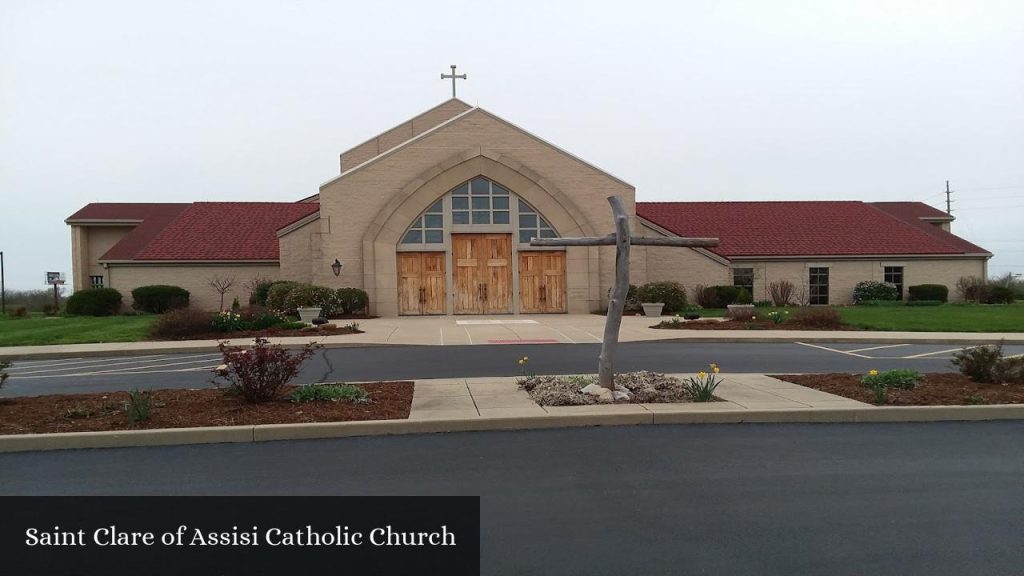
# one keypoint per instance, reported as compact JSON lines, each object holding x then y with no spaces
{"x":401,"y":133}
{"x":349,"y":205}
{"x":88,"y":243}
{"x":297,"y":249}
{"x":845,"y":274}
{"x":193,"y":278}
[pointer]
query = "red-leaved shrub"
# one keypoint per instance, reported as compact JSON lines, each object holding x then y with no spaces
{"x":258,"y":373}
{"x":815,"y":317}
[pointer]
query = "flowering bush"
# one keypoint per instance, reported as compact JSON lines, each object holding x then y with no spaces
{"x":227,"y":321}
{"x":259,"y":372}
{"x":702,"y":387}
{"x":872,"y":290}
{"x":778,"y":316}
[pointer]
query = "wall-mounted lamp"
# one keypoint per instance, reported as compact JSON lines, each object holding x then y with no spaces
{"x":336,"y":267}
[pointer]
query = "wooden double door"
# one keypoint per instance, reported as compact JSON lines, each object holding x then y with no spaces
{"x":542,"y":282}
{"x":482,"y":279}
{"x":421,"y":283}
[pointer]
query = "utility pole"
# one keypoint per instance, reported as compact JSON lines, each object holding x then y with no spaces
{"x":3,"y":288}
{"x":949,"y":202}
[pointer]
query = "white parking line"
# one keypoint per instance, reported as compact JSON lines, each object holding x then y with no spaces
{"x":142,"y":364}
{"x":72,"y":361}
{"x":878,"y":347}
{"x":833,"y":350}
{"x":926,"y":354}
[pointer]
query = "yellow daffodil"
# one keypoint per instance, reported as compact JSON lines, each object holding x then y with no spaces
{"x":873,"y":373}
{"x":716,"y":370}
{"x":702,"y":374}
{"x":521,"y":362}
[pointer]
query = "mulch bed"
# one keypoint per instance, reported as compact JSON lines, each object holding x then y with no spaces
{"x":191,"y":408}
{"x":310,"y":332}
{"x":709,"y":324}
{"x":948,"y":389}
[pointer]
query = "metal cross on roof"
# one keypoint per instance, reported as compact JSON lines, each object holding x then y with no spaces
{"x":453,"y":76}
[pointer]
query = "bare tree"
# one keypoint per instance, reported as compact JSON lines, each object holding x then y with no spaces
{"x":222,"y":285}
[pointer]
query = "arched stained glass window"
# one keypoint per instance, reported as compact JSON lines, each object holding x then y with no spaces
{"x":428,"y":228}
{"x":532,"y":225}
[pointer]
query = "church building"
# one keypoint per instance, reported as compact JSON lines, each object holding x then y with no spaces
{"x":435,"y":217}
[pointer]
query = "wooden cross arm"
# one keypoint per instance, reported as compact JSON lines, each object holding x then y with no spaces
{"x":609,"y":240}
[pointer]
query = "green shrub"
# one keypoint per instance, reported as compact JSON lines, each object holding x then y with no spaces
{"x":979,"y":363}
{"x":138,"y":406}
{"x":924,"y":303}
{"x":722,"y":296}
{"x":763,"y":304}
{"x":261,"y":292}
{"x":182,"y":323}
{"x":312,"y":296}
{"x":672,"y":294}
{"x":928,"y":292}
{"x":706,"y":296}
{"x":701,"y":388}
{"x":882,"y":303}
{"x":227,"y":321}
{"x":278,"y":293}
{"x":872,"y":290}
{"x":352,"y":300}
{"x":332,"y":392}
{"x":817,"y":317}
{"x":159,"y":298}
{"x":94,"y":302}
{"x":995,"y":294}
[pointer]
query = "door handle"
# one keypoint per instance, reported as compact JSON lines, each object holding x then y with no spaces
{"x":423,"y":295}
{"x":485,"y":291}
{"x":543,"y":293}
{"x":480,"y":292}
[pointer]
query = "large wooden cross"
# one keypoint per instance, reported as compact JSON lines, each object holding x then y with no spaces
{"x":622,"y":240}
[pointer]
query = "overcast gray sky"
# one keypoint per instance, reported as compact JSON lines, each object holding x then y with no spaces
{"x":254,"y":100}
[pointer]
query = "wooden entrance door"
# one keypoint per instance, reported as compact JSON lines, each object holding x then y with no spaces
{"x":542,"y":282}
{"x":421,"y":283}
{"x":483,"y":273}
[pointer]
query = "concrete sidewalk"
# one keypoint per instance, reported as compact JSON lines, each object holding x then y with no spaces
{"x":498,"y":330}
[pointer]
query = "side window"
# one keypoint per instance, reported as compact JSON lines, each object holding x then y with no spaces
{"x":894,"y":275}
{"x":428,"y":228}
{"x":818,"y":285}
{"x":743,"y":278}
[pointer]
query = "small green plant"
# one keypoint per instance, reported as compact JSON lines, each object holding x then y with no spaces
{"x":77,"y":412}
{"x":877,"y":385}
{"x":138,"y":405}
{"x":973,"y":400}
{"x":979,"y":363}
{"x":523,"y":364}
{"x":332,"y":392}
{"x":902,"y":379}
{"x":236,"y":305}
{"x":778,"y":316}
{"x":581,"y":382}
{"x":701,"y":388}
{"x":227,"y":321}
{"x":4,"y":365}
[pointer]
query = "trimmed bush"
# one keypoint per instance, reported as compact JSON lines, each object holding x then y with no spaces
{"x":261,"y":292}
{"x":995,"y":294}
{"x":671,"y":294}
{"x":872,"y":290}
{"x":312,"y":296}
{"x":159,"y":298}
{"x":182,"y":323}
{"x":928,"y":292}
{"x":352,"y":300}
{"x":277,"y":293}
{"x":94,"y":302}
{"x":722,"y":296}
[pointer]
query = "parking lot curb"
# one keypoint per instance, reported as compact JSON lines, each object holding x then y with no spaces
{"x":323,"y":430}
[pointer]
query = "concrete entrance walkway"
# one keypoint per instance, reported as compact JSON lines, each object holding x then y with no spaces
{"x":461,"y":398}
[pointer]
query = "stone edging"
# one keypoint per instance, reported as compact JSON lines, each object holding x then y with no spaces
{"x":270,"y":432}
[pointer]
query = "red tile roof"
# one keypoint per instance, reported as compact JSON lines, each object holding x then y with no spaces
{"x":150,"y":219}
{"x":817,"y":228}
{"x":226,"y":231}
{"x":913,"y":212}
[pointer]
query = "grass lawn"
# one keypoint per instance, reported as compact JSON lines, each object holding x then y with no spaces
{"x":946,"y":318}
{"x":39,"y":330}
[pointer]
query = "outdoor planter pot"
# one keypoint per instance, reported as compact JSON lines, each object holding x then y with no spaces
{"x":652,"y":309}
{"x":308,"y":314}
{"x":740,"y":311}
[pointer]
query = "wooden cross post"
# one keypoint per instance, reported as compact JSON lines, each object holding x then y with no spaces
{"x":622,"y":240}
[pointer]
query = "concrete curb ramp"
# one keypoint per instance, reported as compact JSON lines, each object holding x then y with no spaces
{"x":670,"y":414}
